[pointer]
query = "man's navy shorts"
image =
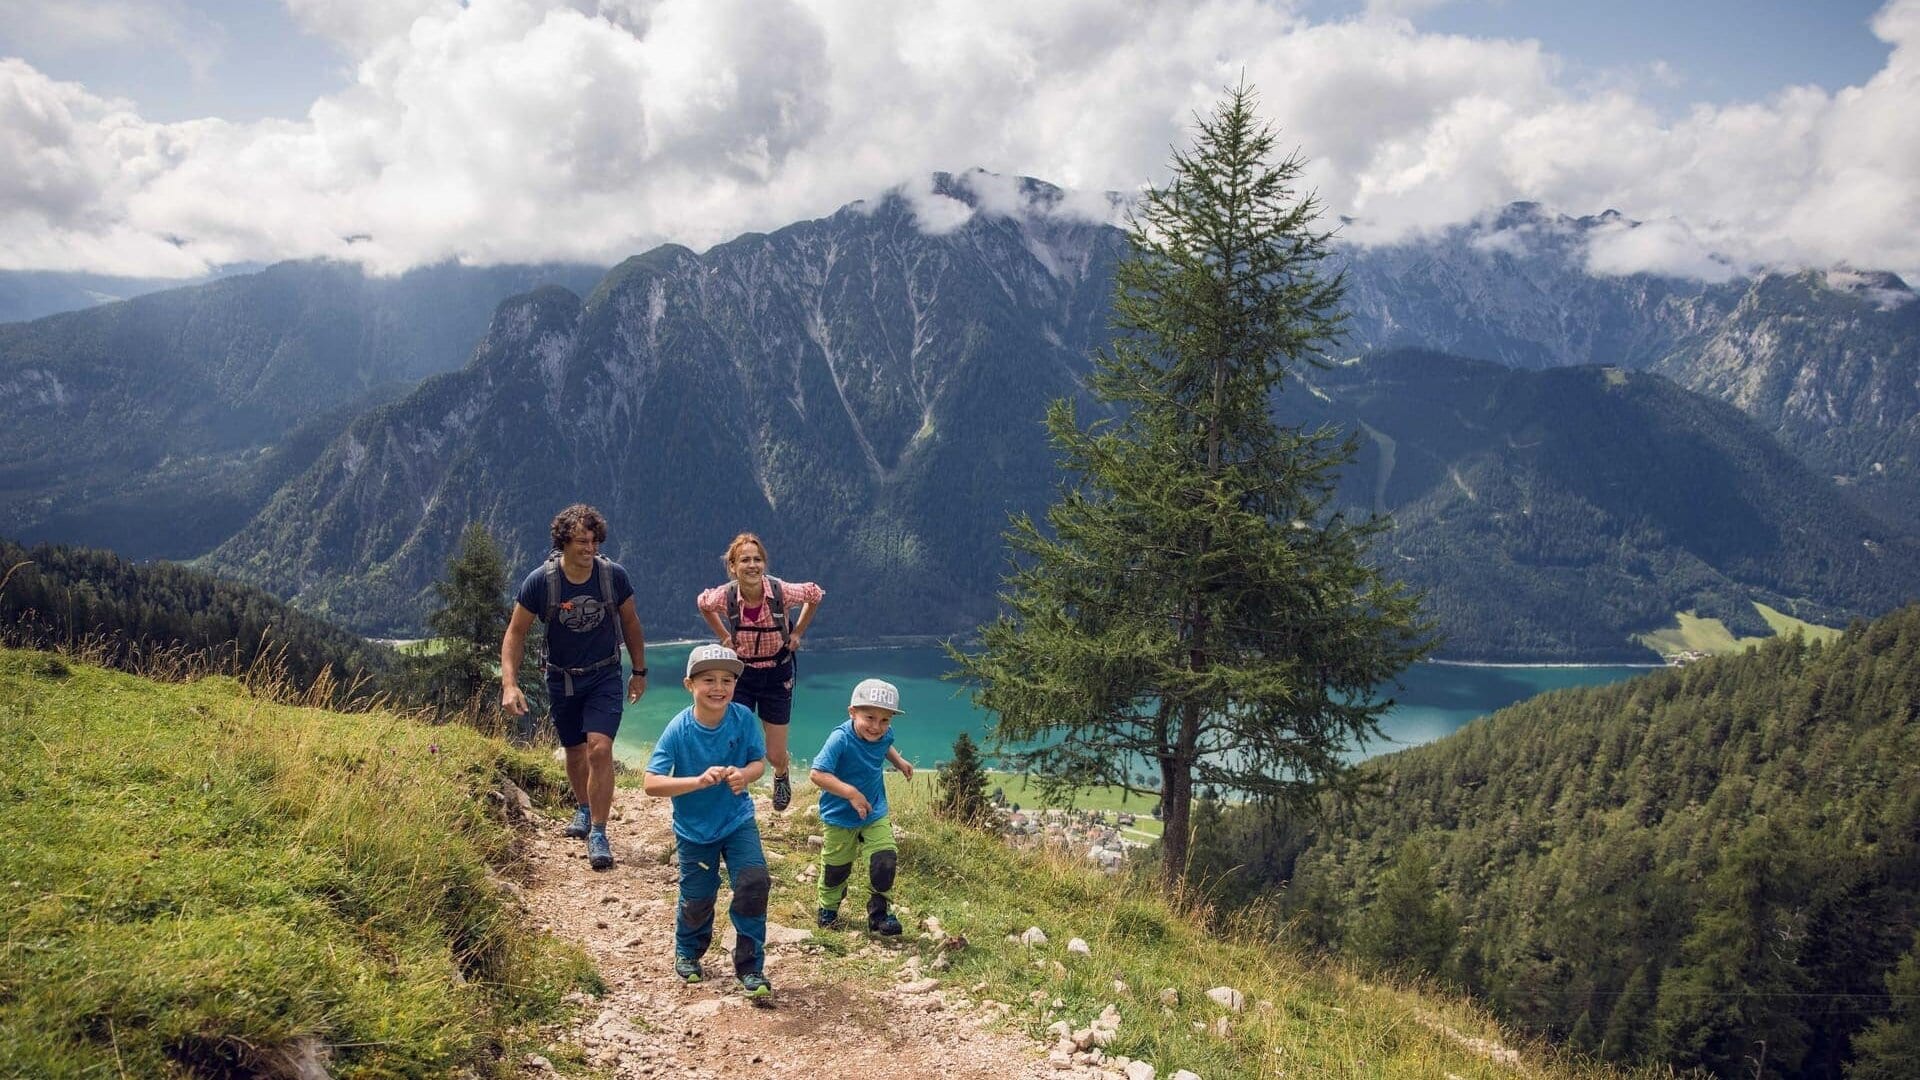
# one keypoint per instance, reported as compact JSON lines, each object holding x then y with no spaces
{"x":594,"y":706}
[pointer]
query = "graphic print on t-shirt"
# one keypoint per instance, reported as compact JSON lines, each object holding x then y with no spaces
{"x":582,"y":613}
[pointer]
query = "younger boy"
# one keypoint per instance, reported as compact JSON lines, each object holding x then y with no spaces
{"x":850,"y":772}
{"x":704,"y":761}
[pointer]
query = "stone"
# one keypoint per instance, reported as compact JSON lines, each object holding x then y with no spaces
{"x":1227,"y":998}
{"x":1080,"y":947}
{"x":919,"y":986}
{"x":787,"y":935}
{"x":1170,"y":997}
{"x":1220,"y":1028}
{"x":1139,"y":1070}
{"x":1033,"y":936}
{"x":1185,"y":1075}
{"x":816,"y":841}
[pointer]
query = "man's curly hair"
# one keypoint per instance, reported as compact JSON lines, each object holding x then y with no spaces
{"x":573,"y":517}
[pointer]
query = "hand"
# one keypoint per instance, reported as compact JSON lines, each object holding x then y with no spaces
{"x":726,"y":641}
{"x":793,"y":640}
{"x":512,"y":700}
{"x":737,"y":780}
{"x":636,"y":688}
{"x":906,"y":768}
{"x":715,"y":774}
{"x":861,"y":804}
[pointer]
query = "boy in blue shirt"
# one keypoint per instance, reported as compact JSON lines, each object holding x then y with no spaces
{"x":850,"y":772}
{"x":704,"y":762}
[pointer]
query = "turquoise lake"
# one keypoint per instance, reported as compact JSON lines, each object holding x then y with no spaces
{"x":1434,"y":699}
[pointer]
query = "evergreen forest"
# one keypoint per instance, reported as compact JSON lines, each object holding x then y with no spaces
{"x":1713,"y":867}
{"x":132,"y":615}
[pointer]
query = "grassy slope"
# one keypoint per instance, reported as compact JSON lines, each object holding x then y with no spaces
{"x":1320,"y":1022}
{"x":1711,"y":636}
{"x":192,"y":878}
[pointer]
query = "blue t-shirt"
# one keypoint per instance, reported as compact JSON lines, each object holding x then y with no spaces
{"x":688,"y":748}
{"x":851,"y":759}
{"x":585,"y":631}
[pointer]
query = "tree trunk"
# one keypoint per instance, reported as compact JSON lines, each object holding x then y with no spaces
{"x":1176,"y":815}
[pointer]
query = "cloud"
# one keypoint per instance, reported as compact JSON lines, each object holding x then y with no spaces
{"x":77,"y":26}
{"x":508,"y":130}
{"x":1666,"y":247}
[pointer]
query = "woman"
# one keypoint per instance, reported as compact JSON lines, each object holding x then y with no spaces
{"x":752,"y":614}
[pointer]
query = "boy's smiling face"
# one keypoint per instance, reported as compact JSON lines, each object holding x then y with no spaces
{"x":711,"y":690}
{"x":870,"y":723}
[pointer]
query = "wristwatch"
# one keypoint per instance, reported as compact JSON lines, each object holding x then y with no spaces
{"x":639,"y":673}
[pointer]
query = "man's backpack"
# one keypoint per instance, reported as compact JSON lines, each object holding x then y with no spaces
{"x":776,"y":597}
{"x":603,"y":570}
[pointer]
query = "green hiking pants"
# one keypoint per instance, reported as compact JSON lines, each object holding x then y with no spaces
{"x":873,"y":842}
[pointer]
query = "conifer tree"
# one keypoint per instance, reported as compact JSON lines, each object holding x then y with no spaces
{"x":1193,"y":605}
{"x":1410,"y":924}
{"x":467,"y":626}
{"x":1890,"y":1046}
{"x":963,"y":785}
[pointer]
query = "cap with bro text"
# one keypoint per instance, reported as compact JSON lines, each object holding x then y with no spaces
{"x":876,"y":694}
{"x":711,"y":657}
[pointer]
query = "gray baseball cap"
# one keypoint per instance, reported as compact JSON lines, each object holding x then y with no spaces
{"x":876,"y":694}
{"x":711,"y":658}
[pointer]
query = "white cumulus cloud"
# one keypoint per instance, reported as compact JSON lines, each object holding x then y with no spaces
{"x":506,"y":130}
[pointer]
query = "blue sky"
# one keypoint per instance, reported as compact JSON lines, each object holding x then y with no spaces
{"x":166,"y":136}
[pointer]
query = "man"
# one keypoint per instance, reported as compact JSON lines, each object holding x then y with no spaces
{"x":580,"y":595}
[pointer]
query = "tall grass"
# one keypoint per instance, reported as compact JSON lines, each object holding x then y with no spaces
{"x":214,"y":877}
{"x":1303,"y":1016}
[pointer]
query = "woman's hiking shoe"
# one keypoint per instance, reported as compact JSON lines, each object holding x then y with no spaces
{"x":687,"y":968}
{"x":757,"y":988}
{"x":827,"y":918}
{"x":886,"y":925}
{"x":580,"y":825}
{"x":782,"y":792}
{"x":599,"y":852}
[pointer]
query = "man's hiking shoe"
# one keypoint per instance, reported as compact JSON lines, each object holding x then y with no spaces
{"x":756,"y":987}
{"x":687,"y":968}
{"x":599,"y":852}
{"x":827,"y":918}
{"x":582,"y":822}
{"x":782,"y":792}
{"x":886,"y":925}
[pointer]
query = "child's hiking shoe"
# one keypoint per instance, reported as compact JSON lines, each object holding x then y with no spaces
{"x":687,"y":968}
{"x":580,"y":825}
{"x":827,"y":918}
{"x":599,"y":852}
{"x":782,"y":792}
{"x":756,"y":987}
{"x":884,"y":925}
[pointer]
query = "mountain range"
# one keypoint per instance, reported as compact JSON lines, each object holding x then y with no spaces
{"x":865,"y":392}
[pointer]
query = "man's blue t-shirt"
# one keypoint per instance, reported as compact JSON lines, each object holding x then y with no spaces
{"x":688,"y":748}
{"x":851,"y":759}
{"x":585,"y":630}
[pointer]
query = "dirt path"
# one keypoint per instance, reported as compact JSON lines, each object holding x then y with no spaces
{"x":822,"y":1022}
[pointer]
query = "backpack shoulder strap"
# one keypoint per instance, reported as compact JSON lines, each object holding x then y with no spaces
{"x":733,"y":607}
{"x":552,"y":570}
{"x":777,"y":596}
{"x":605,"y":566}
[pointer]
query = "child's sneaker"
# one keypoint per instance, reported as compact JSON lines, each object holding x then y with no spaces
{"x":827,"y":918}
{"x":599,"y":852}
{"x":886,"y":925}
{"x":782,"y":792}
{"x":757,"y":988}
{"x":687,"y":968}
{"x":581,"y":823}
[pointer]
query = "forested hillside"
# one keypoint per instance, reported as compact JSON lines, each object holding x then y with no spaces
{"x":157,"y":426}
{"x":124,"y":613}
{"x":1553,"y":515}
{"x":1716,"y":866}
